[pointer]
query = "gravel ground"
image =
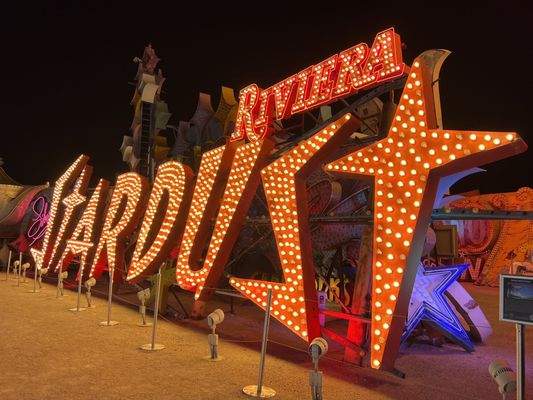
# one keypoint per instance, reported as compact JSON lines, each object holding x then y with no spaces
{"x":48,"y":352}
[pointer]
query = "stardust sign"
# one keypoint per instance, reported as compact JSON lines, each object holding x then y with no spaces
{"x":179,"y":210}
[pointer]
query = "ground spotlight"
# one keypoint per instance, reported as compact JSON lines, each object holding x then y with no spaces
{"x":42,"y":271}
{"x":143,"y":295}
{"x":89,"y":283}
{"x":503,"y":374}
{"x":60,"y":277}
{"x":318,"y":348}
{"x":25,"y":267}
{"x":213,"y":319}
{"x":16,"y":264}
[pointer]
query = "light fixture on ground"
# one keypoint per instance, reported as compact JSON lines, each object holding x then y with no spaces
{"x":154,"y":346}
{"x":213,"y":319}
{"x":259,"y":390}
{"x":60,"y":277}
{"x":42,"y":271}
{"x":503,"y":374}
{"x":317,"y":349}
{"x":89,"y":283}
{"x":143,"y":295}
{"x":16,"y":275}
{"x":25,"y":267}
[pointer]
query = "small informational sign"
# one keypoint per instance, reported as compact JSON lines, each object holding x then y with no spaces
{"x":516,"y":299}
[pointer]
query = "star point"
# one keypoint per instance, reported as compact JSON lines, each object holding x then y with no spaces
{"x":407,"y":165}
{"x":429,"y":304}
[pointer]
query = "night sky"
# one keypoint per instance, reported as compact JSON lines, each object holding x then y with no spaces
{"x":67,"y":64}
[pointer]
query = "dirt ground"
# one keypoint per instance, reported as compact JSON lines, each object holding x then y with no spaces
{"x":48,"y":352}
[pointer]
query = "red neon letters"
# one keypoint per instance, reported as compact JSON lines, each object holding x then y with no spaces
{"x":338,"y":76}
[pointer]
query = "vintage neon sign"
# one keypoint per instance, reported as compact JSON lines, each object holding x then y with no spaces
{"x":88,"y":229}
{"x":406,"y":167}
{"x":39,"y":221}
{"x":125,"y":210}
{"x":173,"y":181}
{"x":42,"y":256}
{"x":338,"y":76}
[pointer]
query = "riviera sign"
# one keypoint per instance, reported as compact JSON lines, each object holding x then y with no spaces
{"x":405,"y":166}
{"x":338,"y":76}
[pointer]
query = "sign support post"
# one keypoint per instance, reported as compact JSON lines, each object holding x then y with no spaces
{"x":520,"y":361}
{"x":109,"y":300}
{"x":261,"y":391}
{"x":154,"y":346}
{"x":8,"y":265}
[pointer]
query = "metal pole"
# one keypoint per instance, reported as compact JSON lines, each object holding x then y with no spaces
{"x":153,"y":346}
{"x":35,"y":271}
{"x":80,"y":273}
{"x":264,"y":343}
{"x":520,"y":361}
{"x":8,"y":265}
{"x":20,"y":269}
{"x":110,"y":295}
{"x":59,"y":280}
{"x":260,"y":390}
{"x":156,"y":306}
{"x":109,"y":300}
{"x":35,"y":278}
{"x":80,"y":277}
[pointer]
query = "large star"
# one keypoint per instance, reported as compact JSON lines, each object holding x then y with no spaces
{"x":428,"y":303}
{"x":407,"y":166}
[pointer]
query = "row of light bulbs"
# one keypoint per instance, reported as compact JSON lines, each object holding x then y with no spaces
{"x":337,"y":76}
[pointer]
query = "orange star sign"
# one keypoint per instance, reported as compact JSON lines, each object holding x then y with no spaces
{"x":406,"y":166}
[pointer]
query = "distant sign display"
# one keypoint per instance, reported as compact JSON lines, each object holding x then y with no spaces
{"x":516,"y":299}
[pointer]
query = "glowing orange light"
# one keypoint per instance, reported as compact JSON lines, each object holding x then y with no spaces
{"x":212,"y":175}
{"x":166,"y":201}
{"x":413,"y":148}
{"x":294,"y":301}
{"x":60,"y":189}
{"x":89,"y":227}
{"x":78,"y":247}
{"x":72,"y":204}
{"x":124,"y":212}
{"x":241,"y":186}
{"x":246,"y":112}
{"x":339,"y":75}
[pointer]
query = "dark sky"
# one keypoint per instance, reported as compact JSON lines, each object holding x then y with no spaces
{"x":66,"y":67}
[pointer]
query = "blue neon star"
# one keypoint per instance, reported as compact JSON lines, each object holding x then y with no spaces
{"x":428,"y":304}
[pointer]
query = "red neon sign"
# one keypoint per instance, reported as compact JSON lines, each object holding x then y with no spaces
{"x":406,"y":167}
{"x":338,"y":76}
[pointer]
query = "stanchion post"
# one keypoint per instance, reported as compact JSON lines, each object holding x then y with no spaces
{"x":520,"y":362}
{"x":60,"y":289}
{"x":260,"y":390}
{"x":154,"y":346}
{"x":35,"y":272}
{"x":20,"y":269}
{"x":35,"y":279}
{"x":109,"y":300}
{"x":80,"y":277}
{"x":8,"y":265}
